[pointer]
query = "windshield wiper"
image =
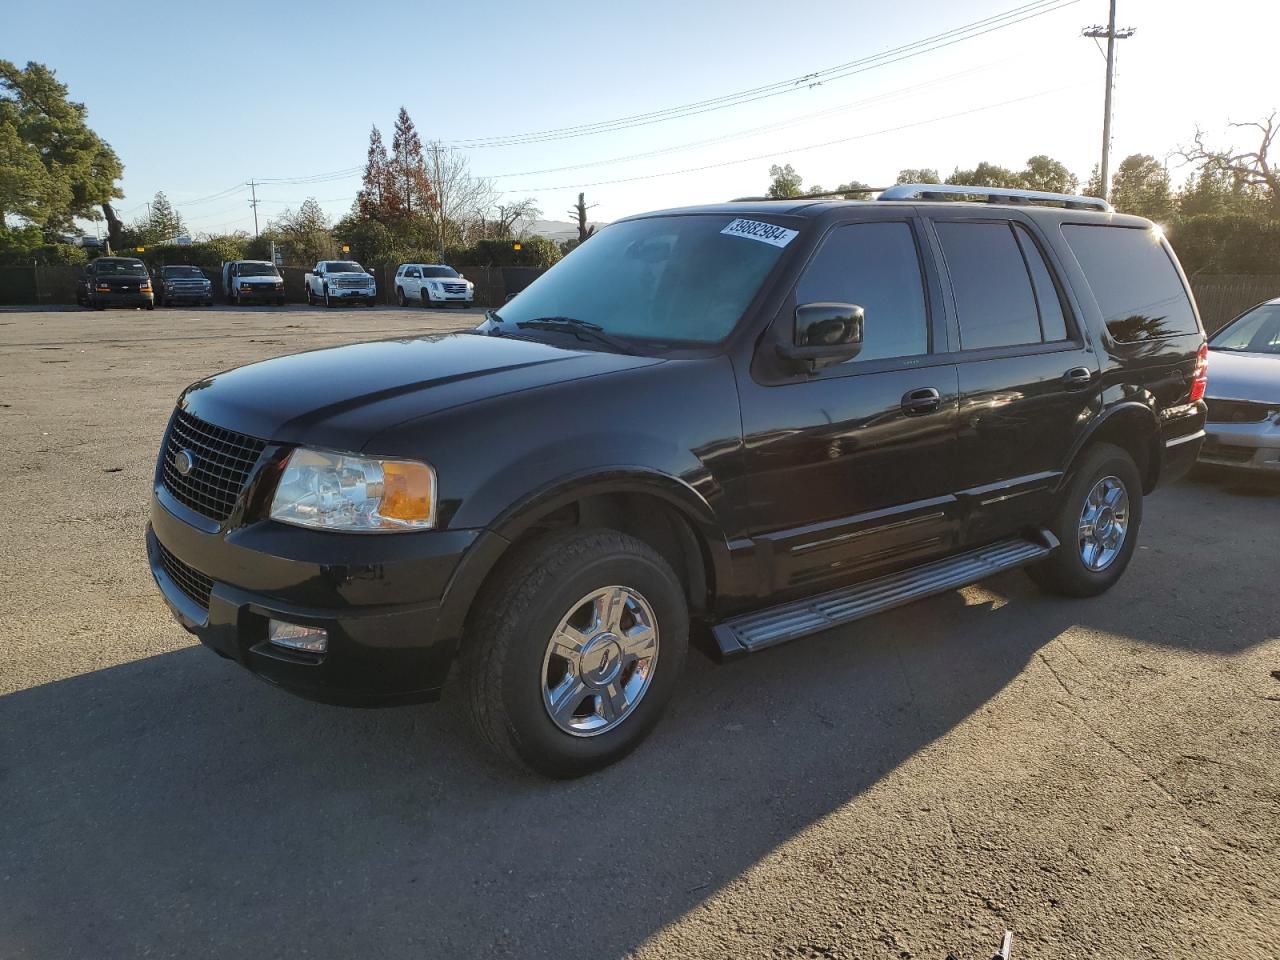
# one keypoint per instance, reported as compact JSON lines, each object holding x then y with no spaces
{"x":582,"y":329}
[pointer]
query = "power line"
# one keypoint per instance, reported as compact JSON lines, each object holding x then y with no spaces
{"x":938,"y":41}
{"x":791,"y":150}
{"x":751,"y":131}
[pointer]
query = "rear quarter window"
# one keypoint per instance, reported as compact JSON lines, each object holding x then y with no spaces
{"x":1133,"y":280}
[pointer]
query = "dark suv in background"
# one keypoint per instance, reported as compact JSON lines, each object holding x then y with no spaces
{"x":767,"y":417}
{"x":117,"y":282}
{"x":178,"y":283}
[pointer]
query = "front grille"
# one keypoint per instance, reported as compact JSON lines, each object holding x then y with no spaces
{"x":221,"y":463}
{"x":1238,"y":411}
{"x":455,"y":287}
{"x":189,"y":580}
{"x":352,"y":282}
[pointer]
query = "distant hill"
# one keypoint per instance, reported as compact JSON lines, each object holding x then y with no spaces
{"x":558,"y":229}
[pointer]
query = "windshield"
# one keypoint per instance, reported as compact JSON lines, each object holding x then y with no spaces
{"x":344,"y":266}
{"x":439,"y":272}
{"x":257,"y":270}
{"x":664,"y":278}
{"x":120,"y":268}
{"x":183,"y":273}
{"x":1258,"y":331}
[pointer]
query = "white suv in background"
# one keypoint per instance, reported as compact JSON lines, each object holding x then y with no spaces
{"x":432,"y":283}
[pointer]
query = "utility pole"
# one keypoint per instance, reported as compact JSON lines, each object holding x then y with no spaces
{"x":435,"y":157}
{"x":1112,"y":34}
{"x":253,"y":191}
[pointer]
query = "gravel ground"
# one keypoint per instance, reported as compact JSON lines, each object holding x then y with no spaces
{"x":1098,"y":776}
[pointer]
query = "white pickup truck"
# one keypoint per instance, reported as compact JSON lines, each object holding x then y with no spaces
{"x":333,"y":281}
{"x":252,"y":281}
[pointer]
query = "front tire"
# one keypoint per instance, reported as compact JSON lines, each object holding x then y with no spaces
{"x":400,"y":301}
{"x":576,"y":647}
{"x":426,"y":298}
{"x":1097,"y":523}
{"x":328,"y":301}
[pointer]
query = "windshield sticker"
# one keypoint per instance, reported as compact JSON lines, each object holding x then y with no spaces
{"x":764,"y":232}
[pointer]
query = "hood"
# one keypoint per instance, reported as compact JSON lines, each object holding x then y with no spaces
{"x":340,"y":397}
{"x":1244,"y":376}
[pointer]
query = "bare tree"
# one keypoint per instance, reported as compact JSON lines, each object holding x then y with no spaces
{"x":579,"y":213}
{"x":514,"y":218}
{"x":462,"y":199}
{"x":1254,"y":168}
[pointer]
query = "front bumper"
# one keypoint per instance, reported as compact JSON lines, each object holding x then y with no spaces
{"x":260,"y":291}
{"x":1243,"y":446}
{"x":352,"y":293}
{"x":130,"y":298}
{"x":191,"y":295}
{"x":442,"y":297}
{"x":380,"y":597}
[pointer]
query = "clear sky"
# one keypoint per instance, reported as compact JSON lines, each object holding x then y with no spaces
{"x":195,"y":103}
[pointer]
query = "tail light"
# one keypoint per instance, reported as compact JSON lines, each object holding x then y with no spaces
{"x":1200,"y":378}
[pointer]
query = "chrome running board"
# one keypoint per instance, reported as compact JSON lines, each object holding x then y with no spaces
{"x":800,"y":618}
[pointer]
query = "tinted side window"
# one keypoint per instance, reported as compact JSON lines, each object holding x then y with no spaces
{"x":994,"y":300}
{"x":1053,"y":317}
{"x":876,"y":266}
{"x":1134,"y":281}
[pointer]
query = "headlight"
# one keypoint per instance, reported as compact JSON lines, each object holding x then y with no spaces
{"x":338,"y":491}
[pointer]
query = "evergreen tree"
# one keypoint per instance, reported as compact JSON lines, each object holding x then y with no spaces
{"x":1141,"y":186}
{"x":81,"y":170}
{"x":414,"y":196}
{"x":374,"y":201}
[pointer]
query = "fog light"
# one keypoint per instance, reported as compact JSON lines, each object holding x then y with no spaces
{"x":294,"y":636}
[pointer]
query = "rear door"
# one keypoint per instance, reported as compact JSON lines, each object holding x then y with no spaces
{"x":1028,"y":377}
{"x":851,"y":468}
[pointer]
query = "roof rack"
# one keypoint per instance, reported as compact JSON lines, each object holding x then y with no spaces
{"x":946,"y":191}
{"x":826,"y":194}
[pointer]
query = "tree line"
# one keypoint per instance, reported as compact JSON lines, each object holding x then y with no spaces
{"x":1223,"y":218}
{"x":420,"y":201}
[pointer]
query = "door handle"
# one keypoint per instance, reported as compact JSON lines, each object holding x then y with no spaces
{"x":1077,"y":378}
{"x":918,"y":402}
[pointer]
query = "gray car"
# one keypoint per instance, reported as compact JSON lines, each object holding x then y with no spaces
{"x":1244,"y":393}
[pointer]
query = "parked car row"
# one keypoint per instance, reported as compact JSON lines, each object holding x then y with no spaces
{"x":126,"y":282}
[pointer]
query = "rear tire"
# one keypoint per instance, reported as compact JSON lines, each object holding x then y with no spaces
{"x":1097,"y":522}
{"x":613,"y":694}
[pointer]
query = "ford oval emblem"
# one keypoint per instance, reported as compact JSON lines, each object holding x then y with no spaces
{"x":184,"y":462}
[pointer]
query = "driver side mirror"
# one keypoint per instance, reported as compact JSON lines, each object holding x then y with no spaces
{"x":824,"y":333}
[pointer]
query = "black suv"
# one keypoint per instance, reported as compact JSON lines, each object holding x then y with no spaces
{"x":766,"y":417}
{"x":117,"y":282}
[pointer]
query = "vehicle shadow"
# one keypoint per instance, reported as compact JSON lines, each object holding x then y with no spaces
{"x":186,"y":809}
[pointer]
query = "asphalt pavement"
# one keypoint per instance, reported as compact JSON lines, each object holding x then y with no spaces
{"x":1098,"y":776}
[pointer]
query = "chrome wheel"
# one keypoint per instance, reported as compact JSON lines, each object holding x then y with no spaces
{"x":1104,"y":523}
{"x":599,"y":661}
